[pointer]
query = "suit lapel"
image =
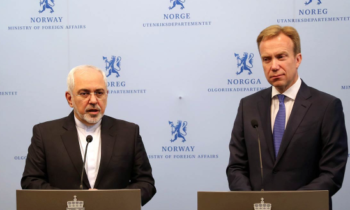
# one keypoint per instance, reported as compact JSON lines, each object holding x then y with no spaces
{"x":71,"y":142}
{"x":107,"y":145}
{"x":264,"y":107}
{"x":300,"y":107}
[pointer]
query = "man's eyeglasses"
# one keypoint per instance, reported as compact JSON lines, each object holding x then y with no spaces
{"x":86,"y":94}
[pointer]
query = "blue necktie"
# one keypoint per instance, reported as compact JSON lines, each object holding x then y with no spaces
{"x":279,"y":126}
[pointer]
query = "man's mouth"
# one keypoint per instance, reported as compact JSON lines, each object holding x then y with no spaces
{"x":93,"y":111}
{"x":276,"y":76}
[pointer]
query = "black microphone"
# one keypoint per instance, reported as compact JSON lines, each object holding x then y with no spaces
{"x":88,"y":140}
{"x":256,"y":125}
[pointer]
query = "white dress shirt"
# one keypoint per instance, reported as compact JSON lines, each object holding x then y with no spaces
{"x":93,"y":155}
{"x":291,"y":94}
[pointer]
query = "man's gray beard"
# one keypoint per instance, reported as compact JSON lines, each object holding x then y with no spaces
{"x":87,"y":118}
{"x":92,"y":120}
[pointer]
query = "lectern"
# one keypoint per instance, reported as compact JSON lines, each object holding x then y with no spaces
{"x":78,"y":199}
{"x":264,"y":200}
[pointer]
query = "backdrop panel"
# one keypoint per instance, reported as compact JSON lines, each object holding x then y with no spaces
{"x":176,"y":65}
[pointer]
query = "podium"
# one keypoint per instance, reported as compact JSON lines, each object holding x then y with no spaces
{"x":78,"y":199}
{"x":264,"y":200}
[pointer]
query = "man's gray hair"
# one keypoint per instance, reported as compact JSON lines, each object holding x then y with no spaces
{"x":70,"y":78}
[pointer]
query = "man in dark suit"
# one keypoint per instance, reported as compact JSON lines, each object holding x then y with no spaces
{"x":302,"y":130}
{"x":116,"y":158}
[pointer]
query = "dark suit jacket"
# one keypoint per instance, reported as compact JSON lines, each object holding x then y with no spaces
{"x":313,"y":151}
{"x":54,"y":159}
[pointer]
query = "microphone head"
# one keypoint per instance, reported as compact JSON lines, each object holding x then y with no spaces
{"x":254,"y":123}
{"x":89,"y":138}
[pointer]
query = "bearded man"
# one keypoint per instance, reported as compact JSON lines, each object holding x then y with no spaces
{"x":116,"y":158}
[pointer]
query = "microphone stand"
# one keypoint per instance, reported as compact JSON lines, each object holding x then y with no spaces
{"x":88,"y":140}
{"x":255,"y":125}
{"x":82,"y":171}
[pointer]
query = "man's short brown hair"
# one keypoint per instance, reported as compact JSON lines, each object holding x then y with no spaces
{"x":275,"y":30}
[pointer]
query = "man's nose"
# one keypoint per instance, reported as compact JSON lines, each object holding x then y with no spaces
{"x":275,"y":65}
{"x":93,"y":98}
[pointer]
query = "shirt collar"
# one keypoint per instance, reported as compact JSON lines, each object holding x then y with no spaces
{"x":290,"y":92}
{"x":81,"y":125}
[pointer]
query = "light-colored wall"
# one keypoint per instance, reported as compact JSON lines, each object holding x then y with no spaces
{"x":161,"y":63}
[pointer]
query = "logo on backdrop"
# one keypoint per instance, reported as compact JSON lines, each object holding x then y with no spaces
{"x":178,"y":148}
{"x":242,"y":80}
{"x":112,"y":66}
{"x":245,"y":63}
{"x":173,"y":15}
{"x":309,"y":2}
{"x":47,"y":4}
{"x":178,"y":131}
{"x":177,"y":2}
{"x":114,"y":84}
{"x":45,"y":20}
{"x":314,"y":11}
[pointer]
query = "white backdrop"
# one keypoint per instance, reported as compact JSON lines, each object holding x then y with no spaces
{"x":176,"y":64}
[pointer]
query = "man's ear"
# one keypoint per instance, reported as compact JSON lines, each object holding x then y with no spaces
{"x":298,"y":58}
{"x":69,"y":99}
